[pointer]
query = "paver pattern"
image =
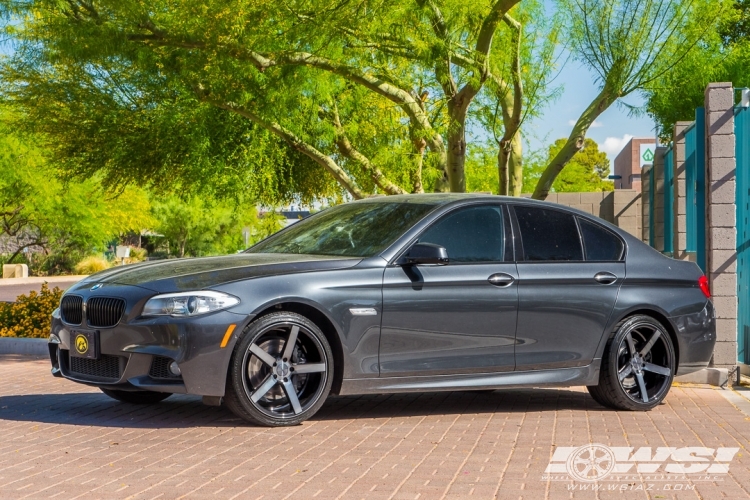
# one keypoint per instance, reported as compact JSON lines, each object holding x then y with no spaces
{"x":64,"y":440}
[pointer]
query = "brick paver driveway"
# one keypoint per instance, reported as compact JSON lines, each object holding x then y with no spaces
{"x":62,"y":440}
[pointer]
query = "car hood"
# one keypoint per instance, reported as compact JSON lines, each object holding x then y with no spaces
{"x":175,"y":275}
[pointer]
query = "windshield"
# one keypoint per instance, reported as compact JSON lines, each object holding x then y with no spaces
{"x":350,"y":230}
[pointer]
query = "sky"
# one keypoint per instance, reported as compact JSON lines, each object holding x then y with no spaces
{"x":612,"y":130}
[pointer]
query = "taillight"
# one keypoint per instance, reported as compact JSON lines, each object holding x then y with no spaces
{"x":703,"y":285}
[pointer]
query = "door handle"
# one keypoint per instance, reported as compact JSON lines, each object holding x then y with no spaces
{"x":605,"y":278}
{"x":501,"y":279}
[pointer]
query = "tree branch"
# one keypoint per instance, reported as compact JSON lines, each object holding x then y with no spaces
{"x":346,"y":149}
{"x":295,"y":142}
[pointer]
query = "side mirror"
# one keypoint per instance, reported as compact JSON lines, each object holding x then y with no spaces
{"x":425,"y":253}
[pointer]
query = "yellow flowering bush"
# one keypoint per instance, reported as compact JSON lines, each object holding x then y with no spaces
{"x":30,"y":315}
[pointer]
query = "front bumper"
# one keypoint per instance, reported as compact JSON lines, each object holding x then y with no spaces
{"x":135,"y":355}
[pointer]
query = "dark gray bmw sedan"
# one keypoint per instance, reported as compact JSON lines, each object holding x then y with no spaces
{"x":439,"y":292}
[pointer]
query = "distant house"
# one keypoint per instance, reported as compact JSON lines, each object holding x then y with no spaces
{"x":293,"y":216}
{"x":637,"y":153}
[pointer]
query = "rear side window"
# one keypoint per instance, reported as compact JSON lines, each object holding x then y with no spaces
{"x":548,"y":235}
{"x":471,"y":234}
{"x":601,"y":244}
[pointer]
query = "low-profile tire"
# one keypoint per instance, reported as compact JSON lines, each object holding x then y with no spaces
{"x":638,"y":366}
{"x":136,"y":397}
{"x":273,"y":382}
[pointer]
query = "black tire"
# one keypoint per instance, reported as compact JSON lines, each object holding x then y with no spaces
{"x":624,"y":378}
{"x":136,"y":397}
{"x":266,"y":384}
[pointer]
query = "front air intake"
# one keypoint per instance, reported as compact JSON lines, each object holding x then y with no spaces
{"x":104,"y":312}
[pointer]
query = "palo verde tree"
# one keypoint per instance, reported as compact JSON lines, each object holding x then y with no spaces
{"x":628,"y":44}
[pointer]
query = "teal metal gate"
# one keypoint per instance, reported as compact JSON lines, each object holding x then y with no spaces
{"x":668,"y":202}
{"x":742,"y":201}
{"x":695,"y":187}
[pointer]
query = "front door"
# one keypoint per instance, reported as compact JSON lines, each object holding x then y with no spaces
{"x":459,"y":317}
{"x":566,"y":290}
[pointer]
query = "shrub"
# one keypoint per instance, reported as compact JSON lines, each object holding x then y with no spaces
{"x":30,"y":315}
{"x":92,"y":264}
{"x":136,"y":255}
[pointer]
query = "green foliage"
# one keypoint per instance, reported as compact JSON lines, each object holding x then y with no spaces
{"x":722,"y":56}
{"x":66,"y":219}
{"x":30,"y":315}
{"x":587,"y":171}
{"x":197,"y":226}
{"x":92,"y":264}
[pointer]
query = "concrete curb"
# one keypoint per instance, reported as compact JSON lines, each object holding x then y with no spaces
{"x":711,"y":376}
{"x":33,"y":347}
{"x":34,"y":280}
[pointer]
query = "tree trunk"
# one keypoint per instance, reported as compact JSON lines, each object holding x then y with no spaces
{"x":457,"y":108}
{"x":416,"y":174}
{"x":510,"y":166}
{"x":575,"y":142}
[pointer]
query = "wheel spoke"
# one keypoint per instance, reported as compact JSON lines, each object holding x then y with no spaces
{"x":642,"y":387}
{"x":262,"y":355}
{"x":650,"y":343}
{"x":291,"y":393}
{"x":660,"y":370}
{"x":309,"y":368}
{"x":625,"y":371}
{"x":631,"y":344}
{"x":291,"y":341}
{"x":263,"y":389}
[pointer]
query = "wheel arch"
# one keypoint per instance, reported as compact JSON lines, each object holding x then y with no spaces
{"x":322,"y":321}
{"x":654,"y":313}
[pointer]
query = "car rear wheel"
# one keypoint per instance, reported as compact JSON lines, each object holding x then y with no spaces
{"x":281,"y":371}
{"x":638,"y":366}
{"x":136,"y":397}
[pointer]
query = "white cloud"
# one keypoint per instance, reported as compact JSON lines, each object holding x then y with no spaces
{"x":596,"y":124}
{"x":613,"y":145}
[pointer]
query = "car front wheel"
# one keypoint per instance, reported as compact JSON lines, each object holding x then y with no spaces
{"x":638,"y":366}
{"x":281,"y":371}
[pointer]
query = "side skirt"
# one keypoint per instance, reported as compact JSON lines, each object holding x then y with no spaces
{"x":562,"y":377}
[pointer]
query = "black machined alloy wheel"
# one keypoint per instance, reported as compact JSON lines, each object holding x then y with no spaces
{"x":638,"y":366}
{"x":281,"y":371}
{"x":136,"y":397}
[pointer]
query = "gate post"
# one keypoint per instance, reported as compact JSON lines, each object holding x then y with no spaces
{"x":721,"y":254}
{"x":679,"y":210}
{"x":657,"y":189}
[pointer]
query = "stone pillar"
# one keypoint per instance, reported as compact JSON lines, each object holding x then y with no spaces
{"x":658,"y":188}
{"x":626,"y":210}
{"x":721,"y":237}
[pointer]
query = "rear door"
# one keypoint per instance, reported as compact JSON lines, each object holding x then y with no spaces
{"x":455,"y":318}
{"x":565,"y":298}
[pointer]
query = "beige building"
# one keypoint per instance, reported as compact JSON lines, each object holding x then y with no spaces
{"x":629,"y":162}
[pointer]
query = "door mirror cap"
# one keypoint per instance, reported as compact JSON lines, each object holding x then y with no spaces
{"x":425,"y":253}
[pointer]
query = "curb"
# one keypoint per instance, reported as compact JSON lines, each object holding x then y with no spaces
{"x":33,"y":347}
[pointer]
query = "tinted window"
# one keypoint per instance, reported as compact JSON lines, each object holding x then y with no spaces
{"x":548,"y":234}
{"x":473,"y":234}
{"x":601,"y":245}
{"x":352,"y":230}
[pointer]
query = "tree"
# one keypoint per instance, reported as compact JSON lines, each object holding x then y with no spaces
{"x":722,"y":56}
{"x":628,"y":44}
{"x":197,"y":226}
{"x":64,"y":220}
{"x":586,"y":171}
{"x":161,"y":66}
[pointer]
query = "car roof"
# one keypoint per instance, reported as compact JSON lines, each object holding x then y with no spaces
{"x":442,"y":198}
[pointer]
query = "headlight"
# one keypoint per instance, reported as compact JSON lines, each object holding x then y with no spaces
{"x":188,"y":303}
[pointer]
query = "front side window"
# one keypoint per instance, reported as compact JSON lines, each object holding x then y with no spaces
{"x":472,"y":234}
{"x":548,"y":235}
{"x":601,"y":244}
{"x":350,"y":230}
